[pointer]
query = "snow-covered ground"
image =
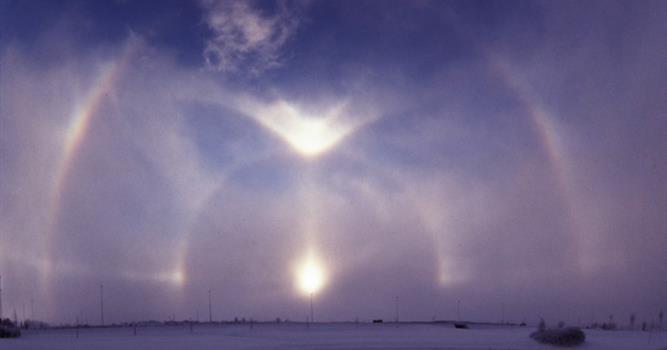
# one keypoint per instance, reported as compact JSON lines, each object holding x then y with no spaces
{"x":321,"y":336}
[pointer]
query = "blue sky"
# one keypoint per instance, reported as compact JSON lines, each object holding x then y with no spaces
{"x":508,"y":154}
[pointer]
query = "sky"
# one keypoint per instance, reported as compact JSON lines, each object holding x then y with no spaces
{"x":488,"y":160}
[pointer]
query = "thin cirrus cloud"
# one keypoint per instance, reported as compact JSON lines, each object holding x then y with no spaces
{"x":245,"y":38}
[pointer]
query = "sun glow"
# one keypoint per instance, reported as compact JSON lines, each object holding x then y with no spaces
{"x":310,"y":277}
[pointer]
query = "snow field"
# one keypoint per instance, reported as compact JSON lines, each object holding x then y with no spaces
{"x":320,"y":336}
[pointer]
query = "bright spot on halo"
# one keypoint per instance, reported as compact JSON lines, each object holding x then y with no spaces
{"x":177,"y":277}
{"x":310,"y":136}
{"x":310,"y":277}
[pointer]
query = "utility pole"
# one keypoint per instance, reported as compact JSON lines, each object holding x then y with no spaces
{"x":458,"y":310}
{"x":102,"y":303}
{"x":312,"y":313}
{"x":396,"y":309}
{"x":210,"y":309}
{"x":0,"y":297}
{"x":502,"y":313}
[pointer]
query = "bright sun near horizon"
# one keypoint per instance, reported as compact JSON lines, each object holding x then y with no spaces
{"x":311,"y":277}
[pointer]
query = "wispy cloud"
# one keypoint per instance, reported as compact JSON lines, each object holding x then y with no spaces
{"x":244,"y":37}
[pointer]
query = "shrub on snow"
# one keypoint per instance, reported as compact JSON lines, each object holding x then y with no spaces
{"x":8,"y":329}
{"x":569,"y":336}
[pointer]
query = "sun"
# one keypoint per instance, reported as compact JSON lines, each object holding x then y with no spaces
{"x":310,"y":277}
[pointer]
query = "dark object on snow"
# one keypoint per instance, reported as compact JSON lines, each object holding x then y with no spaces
{"x":570,"y":336}
{"x":542,"y":326}
{"x":460,"y":325}
{"x":8,"y":329}
{"x":608,"y":326}
{"x":377,"y":321}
